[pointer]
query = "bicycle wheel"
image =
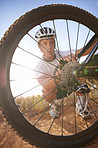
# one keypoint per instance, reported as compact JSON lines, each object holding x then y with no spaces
{"x":20,"y":94}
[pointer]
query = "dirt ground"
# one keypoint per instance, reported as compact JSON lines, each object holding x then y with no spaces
{"x":9,"y":138}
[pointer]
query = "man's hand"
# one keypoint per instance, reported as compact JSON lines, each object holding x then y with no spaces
{"x":63,"y":61}
{"x":69,"y":58}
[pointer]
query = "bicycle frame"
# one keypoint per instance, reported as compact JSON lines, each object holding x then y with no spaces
{"x":80,"y":69}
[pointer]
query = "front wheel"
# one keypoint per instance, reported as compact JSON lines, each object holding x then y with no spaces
{"x":21,"y":95}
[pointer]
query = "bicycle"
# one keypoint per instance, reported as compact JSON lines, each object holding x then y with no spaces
{"x":10,"y":45}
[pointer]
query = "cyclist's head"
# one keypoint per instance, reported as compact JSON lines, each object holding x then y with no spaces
{"x":45,"y":33}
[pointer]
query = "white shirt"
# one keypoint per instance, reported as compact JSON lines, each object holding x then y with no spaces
{"x":46,"y":67}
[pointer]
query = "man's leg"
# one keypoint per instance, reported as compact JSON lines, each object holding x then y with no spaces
{"x":81,"y":104}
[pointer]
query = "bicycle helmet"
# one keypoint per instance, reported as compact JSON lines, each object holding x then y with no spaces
{"x":45,"y":33}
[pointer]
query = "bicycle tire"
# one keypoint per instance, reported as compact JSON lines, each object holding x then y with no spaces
{"x":7,"y":47}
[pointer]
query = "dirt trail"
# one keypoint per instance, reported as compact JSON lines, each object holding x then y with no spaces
{"x":9,"y":139}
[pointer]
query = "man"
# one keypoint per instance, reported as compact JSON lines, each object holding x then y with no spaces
{"x":46,"y":43}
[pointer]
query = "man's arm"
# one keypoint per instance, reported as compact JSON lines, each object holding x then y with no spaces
{"x":47,"y":82}
{"x":89,"y":49}
{"x":49,"y":87}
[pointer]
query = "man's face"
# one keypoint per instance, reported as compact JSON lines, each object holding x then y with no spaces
{"x":48,"y":50}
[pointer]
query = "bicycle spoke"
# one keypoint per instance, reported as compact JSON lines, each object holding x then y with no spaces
{"x":38,"y":101}
{"x":86,"y":38}
{"x":47,"y":108}
{"x":57,"y":40}
{"x":68,"y":38}
{"x":45,"y":111}
{"x":93,"y":100}
{"x":13,"y":80}
{"x":31,"y":89}
{"x":31,"y":69}
{"x":86,"y":118}
{"x":92,"y":86}
{"x":93,"y":111}
{"x":75,"y":113}
{"x":86,"y":122}
{"x":77,"y":39}
{"x":54,"y":118}
{"x":62,"y":114}
{"x":89,"y":44}
{"x":35,"y":56}
{"x":52,"y":42}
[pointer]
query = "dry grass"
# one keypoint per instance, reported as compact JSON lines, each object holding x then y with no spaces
{"x":94,"y":92}
{"x":27,"y":102}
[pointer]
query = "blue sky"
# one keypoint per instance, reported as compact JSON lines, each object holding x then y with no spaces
{"x":10,"y":10}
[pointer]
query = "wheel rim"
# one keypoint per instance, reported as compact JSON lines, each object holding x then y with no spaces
{"x":40,"y":105}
